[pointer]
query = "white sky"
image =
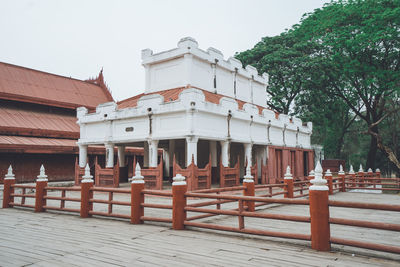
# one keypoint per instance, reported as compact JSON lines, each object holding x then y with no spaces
{"x":78,"y":37}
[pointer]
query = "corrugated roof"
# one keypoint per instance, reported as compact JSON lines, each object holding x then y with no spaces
{"x":173,"y":94}
{"x":13,"y":141}
{"x":37,"y":123}
{"x":29,"y":85}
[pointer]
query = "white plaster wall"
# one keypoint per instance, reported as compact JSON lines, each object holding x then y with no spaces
{"x":202,"y":76}
{"x":224,"y":82}
{"x":167,"y":75}
{"x":259,"y":94}
{"x":243,"y":89}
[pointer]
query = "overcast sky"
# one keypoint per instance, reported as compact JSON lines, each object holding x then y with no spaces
{"x":77,"y":37}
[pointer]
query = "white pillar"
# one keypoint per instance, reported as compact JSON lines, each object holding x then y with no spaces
{"x":225,"y":153}
{"x":153,"y":149}
{"x":109,"y":155}
{"x":146,"y":154}
{"x":171,"y":151}
{"x":166,"y":161}
{"x":213,"y":152}
{"x":247,"y":153}
{"x":121,"y":156}
{"x":82,"y":155}
{"x":191,"y":150}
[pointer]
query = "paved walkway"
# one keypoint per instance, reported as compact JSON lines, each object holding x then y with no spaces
{"x":51,"y":238}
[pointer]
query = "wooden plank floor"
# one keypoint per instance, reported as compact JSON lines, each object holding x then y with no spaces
{"x":50,"y":238}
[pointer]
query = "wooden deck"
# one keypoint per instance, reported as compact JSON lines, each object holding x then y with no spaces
{"x":54,"y":239}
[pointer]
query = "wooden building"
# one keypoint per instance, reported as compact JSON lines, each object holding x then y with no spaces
{"x":38,"y":121}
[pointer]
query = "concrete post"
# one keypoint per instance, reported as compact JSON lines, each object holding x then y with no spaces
{"x":288,"y":179}
{"x":342,"y":179}
{"x":328,"y":177}
{"x":121,"y":156}
{"x":191,"y":150}
{"x":319,"y":212}
{"x":225,"y":153}
{"x":137,"y":198}
{"x":41,"y":183}
{"x":86,"y":193}
{"x":109,"y":155}
{"x":82,"y":155}
{"x":179,"y":189}
{"x":9,"y":180}
{"x":249,"y":190}
{"x":153,"y":153}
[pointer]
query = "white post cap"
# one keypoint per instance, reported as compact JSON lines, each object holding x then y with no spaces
{"x":42,"y":177}
{"x":361,"y":168}
{"x":341,"y":172}
{"x":312,"y":173}
{"x":87,"y":178}
{"x":328,"y":172}
{"x":248,"y":178}
{"x":179,"y":180}
{"x":377,"y":170}
{"x":9,"y":175}
{"x":351,"y":171}
{"x":288,"y":174}
{"x":318,"y":183}
{"x":138,"y":178}
{"x":370,"y":170}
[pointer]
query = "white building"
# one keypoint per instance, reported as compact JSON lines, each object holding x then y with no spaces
{"x":198,"y":105}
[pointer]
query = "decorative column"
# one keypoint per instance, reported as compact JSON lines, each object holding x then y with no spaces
{"x":319,"y":212}
{"x":328,"y":177}
{"x":213,"y":152}
{"x":153,"y":153}
{"x":288,"y":179}
{"x":249,"y":190}
{"x":247,"y":152}
{"x":146,"y":154}
{"x":82,"y":155}
{"x":137,"y":198}
{"x":342,"y":178}
{"x":225,"y":153}
{"x":121,"y":156}
{"x":179,"y":189}
{"x":109,"y":155}
{"x":191,"y":150}
{"x":41,"y":183}
{"x":86,"y":193}
{"x":9,"y":180}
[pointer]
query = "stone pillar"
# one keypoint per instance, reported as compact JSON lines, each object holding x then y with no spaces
{"x":153,"y":153}
{"x":225,"y":153}
{"x":109,"y":155}
{"x":248,"y":153}
{"x":82,"y":155}
{"x":146,"y":154}
{"x":191,"y":150}
{"x":213,"y":152}
{"x":121,"y":156}
{"x":319,"y":212}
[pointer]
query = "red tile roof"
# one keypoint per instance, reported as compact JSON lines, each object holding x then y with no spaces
{"x":17,"y":121}
{"x":29,"y":85}
{"x":173,"y":94}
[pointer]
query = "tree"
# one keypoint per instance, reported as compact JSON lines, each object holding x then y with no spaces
{"x":359,"y":49}
{"x":283,"y":57}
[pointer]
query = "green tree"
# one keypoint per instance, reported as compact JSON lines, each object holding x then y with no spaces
{"x":359,"y":43}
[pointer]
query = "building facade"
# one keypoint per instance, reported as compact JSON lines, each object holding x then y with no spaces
{"x":200,"y":109}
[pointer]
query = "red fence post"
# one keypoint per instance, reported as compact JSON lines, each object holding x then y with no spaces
{"x":137,"y":198}
{"x":361,"y":176}
{"x":378,"y":173}
{"x":328,"y":177}
{"x":249,"y":190}
{"x":9,"y":180}
{"x":319,"y":212}
{"x":86,"y":193}
{"x":289,"y":186}
{"x":41,"y":183}
{"x":342,"y":179}
{"x":353,"y":176}
{"x":179,"y":189}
